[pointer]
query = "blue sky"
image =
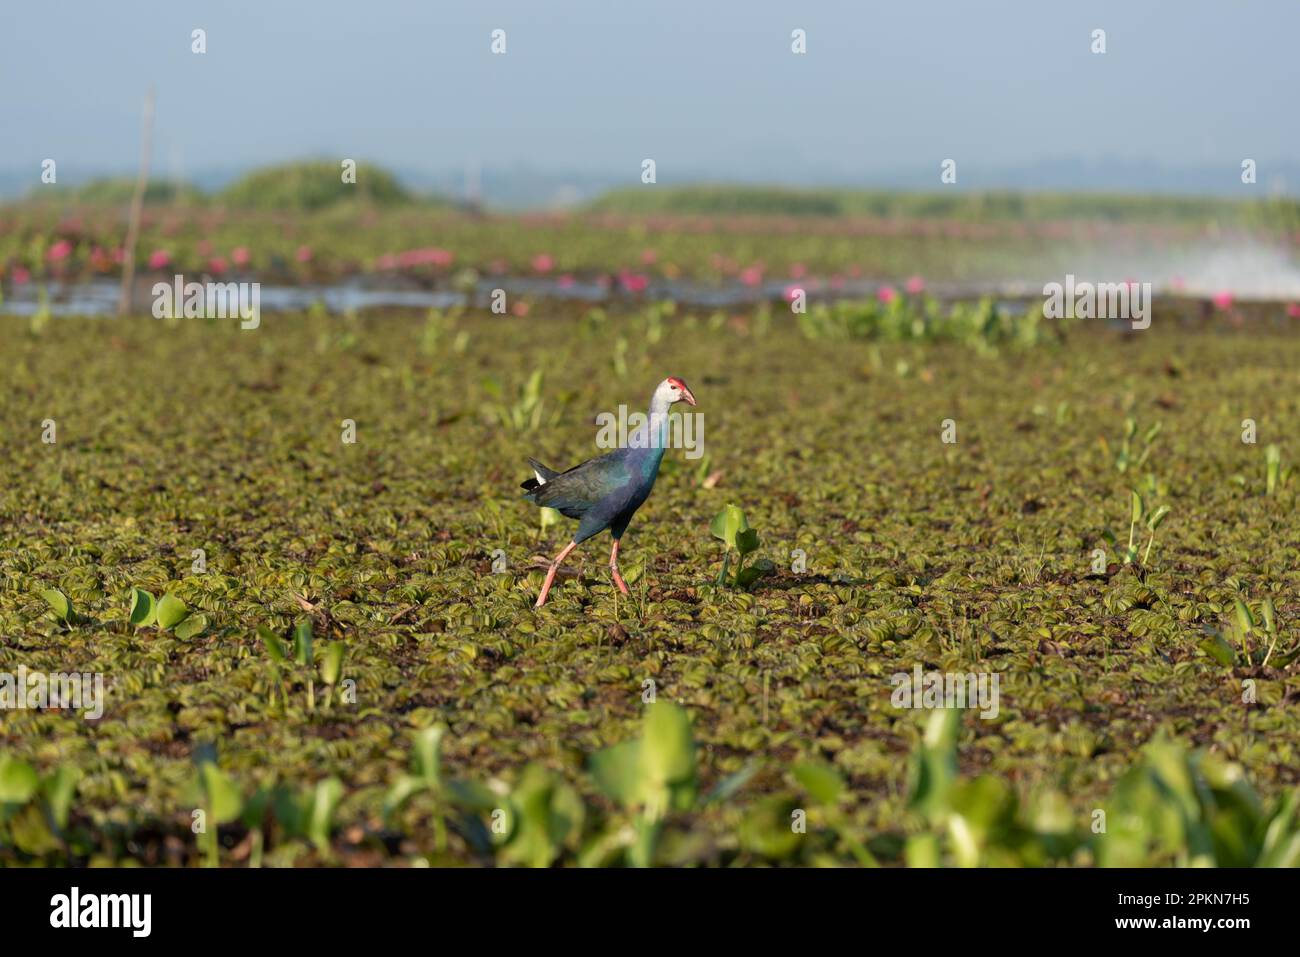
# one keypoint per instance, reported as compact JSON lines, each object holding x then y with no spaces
{"x":707,"y":90}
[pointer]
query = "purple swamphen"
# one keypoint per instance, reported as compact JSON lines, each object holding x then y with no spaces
{"x":605,"y":492}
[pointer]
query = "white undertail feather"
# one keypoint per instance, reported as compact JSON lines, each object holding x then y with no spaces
{"x":540,"y":480}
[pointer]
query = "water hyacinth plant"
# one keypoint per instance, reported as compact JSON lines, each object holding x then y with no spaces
{"x":169,"y":613}
{"x":1250,"y":639}
{"x":974,"y":553}
{"x":731,"y":528}
{"x":1133,"y":450}
{"x":1275,"y":477}
{"x":297,"y":658}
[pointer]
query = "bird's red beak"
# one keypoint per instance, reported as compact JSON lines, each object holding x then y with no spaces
{"x":687,"y":395}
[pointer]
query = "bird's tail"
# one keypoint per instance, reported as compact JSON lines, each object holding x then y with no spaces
{"x":542,"y":474}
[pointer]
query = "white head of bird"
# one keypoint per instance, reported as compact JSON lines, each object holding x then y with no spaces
{"x":670,"y":391}
{"x":659,"y":424}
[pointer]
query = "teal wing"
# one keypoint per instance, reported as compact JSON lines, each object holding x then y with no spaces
{"x":575,"y":491}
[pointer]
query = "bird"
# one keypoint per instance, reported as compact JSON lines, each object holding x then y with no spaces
{"x":606,"y":491}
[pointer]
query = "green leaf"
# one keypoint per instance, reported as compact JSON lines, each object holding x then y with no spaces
{"x":728,"y":523}
{"x":400,"y":792}
{"x":143,"y":608}
{"x":1138,"y":507}
{"x":820,"y":780}
{"x":1269,"y":613}
{"x":302,"y":642}
{"x":754,"y":572}
{"x":667,"y":747}
{"x":1158,"y":516}
{"x":255,"y":806}
{"x":18,"y":781}
{"x":427,"y":754}
{"x":1282,"y":660}
{"x":192,"y":627}
{"x":331,"y":663}
{"x":1245,"y":620}
{"x":767,"y":828}
{"x":747,"y":541}
{"x":922,"y":851}
{"x":934,"y":763}
{"x":58,"y":602}
{"x":290,"y":812}
{"x":30,"y":832}
{"x":1219,"y":650}
{"x":320,"y":816}
{"x":222,"y":796}
{"x":170,"y":612}
{"x":471,"y":795}
{"x":544,"y":812}
{"x":615,"y":771}
{"x":59,"y":788}
{"x":274,"y":644}
{"x":727,"y":788}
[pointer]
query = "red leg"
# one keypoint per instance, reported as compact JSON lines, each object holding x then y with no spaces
{"x":613,"y":567}
{"x":550,"y":573}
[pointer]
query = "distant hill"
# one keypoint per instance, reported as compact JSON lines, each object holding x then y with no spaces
{"x":314,"y":185}
{"x":119,"y":190}
{"x":300,"y":187}
{"x":715,"y":200}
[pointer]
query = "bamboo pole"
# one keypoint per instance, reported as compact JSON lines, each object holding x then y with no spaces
{"x":137,"y":209}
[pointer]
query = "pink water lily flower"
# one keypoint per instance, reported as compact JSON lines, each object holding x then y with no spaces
{"x":60,"y":250}
{"x":159,"y":259}
{"x":428,"y":256}
{"x":21,"y":275}
{"x":543,"y":263}
{"x":1293,"y":310}
{"x":303,"y":255}
{"x":239,"y":256}
{"x":886,"y":294}
{"x":1222,"y":300}
{"x":751,"y":275}
{"x":633,"y":282}
{"x":914,"y":286}
{"x":217,"y":265}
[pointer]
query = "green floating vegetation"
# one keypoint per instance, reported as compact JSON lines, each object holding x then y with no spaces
{"x":1171,"y":808}
{"x":921,"y":501}
{"x":984,"y":325}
